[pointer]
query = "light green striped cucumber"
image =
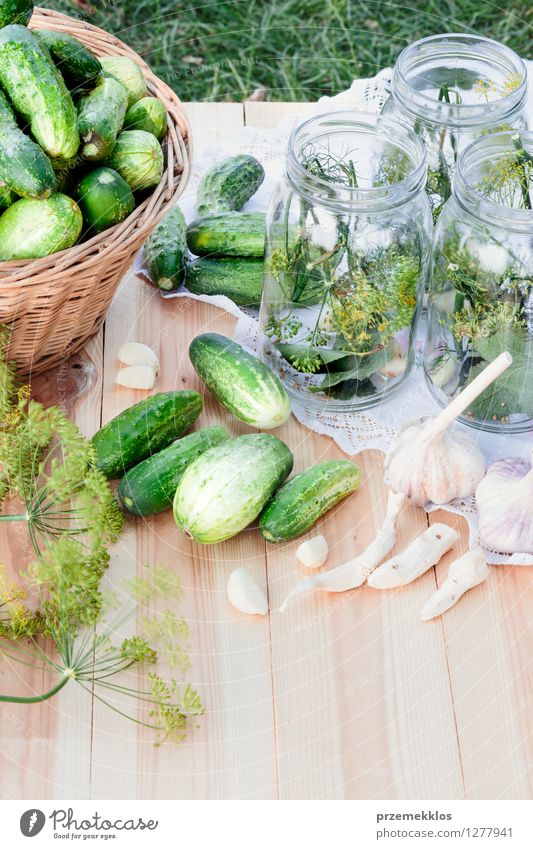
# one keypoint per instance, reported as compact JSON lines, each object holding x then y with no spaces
{"x":228,"y":234}
{"x":31,"y":228}
{"x":239,"y":381}
{"x":126,"y":72}
{"x":165,"y":251}
{"x":24,"y":168}
{"x":228,"y":486}
{"x":38,"y":92}
{"x":100,"y":118}
{"x":301,"y":502}
{"x":147,"y":114}
{"x":138,"y":158}
{"x":149,"y":487}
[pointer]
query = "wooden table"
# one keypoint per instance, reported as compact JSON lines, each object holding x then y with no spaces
{"x":345,"y":696}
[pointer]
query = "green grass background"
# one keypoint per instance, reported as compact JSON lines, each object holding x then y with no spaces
{"x":297,"y":49}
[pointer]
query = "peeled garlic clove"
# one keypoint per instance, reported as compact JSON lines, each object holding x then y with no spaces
{"x":136,"y":377}
{"x":245,"y":594}
{"x":505,"y":503}
{"x":464,"y":574}
{"x":313,"y":553}
{"x":420,"y":555}
{"x":137,"y":354}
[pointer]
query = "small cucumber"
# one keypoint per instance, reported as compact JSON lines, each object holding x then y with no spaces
{"x":7,"y":197}
{"x":15,"y":12}
{"x":78,"y":66}
{"x":149,"y":488}
{"x":100,"y":118}
{"x":301,"y":502}
{"x":165,"y":251}
{"x":144,"y":429}
{"x":227,"y":487}
{"x":138,"y":158}
{"x":228,"y":234}
{"x":241,"y":280}
{"x":147,"y":114}
{"x":49,"y":225}
{"x":229,"y":184}
{"x":239,"y":381}
{"x":105,"y":199}
{"x":126,"y":72}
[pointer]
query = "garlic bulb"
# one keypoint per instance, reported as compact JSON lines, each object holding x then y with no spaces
{"x":420,"y":555}
{"x":245,"y":594}
{"x":464,"y":574}
{"x":313,"y":553}
{"x":505,"y":503}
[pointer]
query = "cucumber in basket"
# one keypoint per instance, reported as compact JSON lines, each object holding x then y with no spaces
{"x":7,"y":197}
{"x":15,"y":12}
{"x":126,"y":72}
{"x":165,"y":251}
{"x":100,"y":118}
{"x":77,"y":65}
{"x":149,"y":487}
{"x":105,"y":199}
{"x":229,"y":184}
{"x":147,"y":114}
{"x":301,"y":502}
{"x":49,"y":225}
{"x":38,"y":92}
{"x":239,"y":279}
{"x":144,"y":429}
{"x":228,"y":234}
{"x":24,"y":168}
{"x":240,"y":382}
{"x":138,"y":158}
{"x":226,"y":488}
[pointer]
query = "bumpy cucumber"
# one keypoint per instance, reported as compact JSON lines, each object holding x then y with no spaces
{"x":226,"y":488}
{"x":24,"y":168}
{"x":301,"y":502}
{"x":144,"y":429}
{"x":165,"y":251}
{"x":239,"y":381}
{"x":228,"y":234}
{"x":38,"y":92}
{"x":147,"y":114}
{"x":126,"y":72}
{"x":100,"y":118}
{"x":138,"y":158}
{"x":31,"y":228}
{"x":241,"y":280}
{"x":78,"y":66}
{"x":229,"y":184}
{"x":104,"y":198}
{"x":15,"y":12}
{"x":149,"y":488}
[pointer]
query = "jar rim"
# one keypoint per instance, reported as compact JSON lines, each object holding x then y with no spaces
{"x":457,"y":114}
{"x":319,"y":190}
{"x":474,"y":201}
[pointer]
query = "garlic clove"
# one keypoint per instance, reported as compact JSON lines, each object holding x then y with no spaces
{"x":136,"y":377}
{"x":313,"y":553}
{"x":464,"y":574}
{"x":505,"y":503}
{"x":137,"y":354}
{"x":420,"y":555}
{"x":245,"y":594}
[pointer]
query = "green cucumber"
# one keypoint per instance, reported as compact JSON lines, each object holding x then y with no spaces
{"x":228,"y":234}
{"x":149,"y":488}
{"x":165,"y":251}
{"x":138,"y":158}
{"x":100,"y":118}
{"x":7,"y":197}
{"x":239,"y":381}
{"x":49,"y":225}
{"x":24,"y":168}
{"x":126,"y":72}
{"x":147,"y":114}
{"x":15,"y":12}
{"x":38,"y":92}
{"x":301,"y":502}
{"x":78,"y":66}
{"x":229,"y":184}
{"x":227,"y":487}
{"x":144,"y":429}
{"x":105,"y":199}
{"x":241,"y":280}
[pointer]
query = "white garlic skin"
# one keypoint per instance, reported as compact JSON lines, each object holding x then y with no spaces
{"x":313,"y":553}
{"x":449,"y":466}
{"x":245,"y":594}
{"x":138,"y":354}
{"x":505,"y":503}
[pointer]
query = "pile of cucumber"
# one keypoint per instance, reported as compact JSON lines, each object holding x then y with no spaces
{"x":221,"y":252}
{"x":218,"y":485}
{"x":80,"y":140}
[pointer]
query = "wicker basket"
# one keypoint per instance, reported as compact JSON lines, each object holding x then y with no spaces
{"x":53,"y":305}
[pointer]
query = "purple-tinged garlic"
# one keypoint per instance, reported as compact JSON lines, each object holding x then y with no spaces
{"x":431,"y":464}
{"x":464,"y":574}
{"x":505,"y":503}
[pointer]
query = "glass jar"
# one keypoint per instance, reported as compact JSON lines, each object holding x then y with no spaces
{"x":481,"y":291}
{"x":450,"y":89}
{"x":347,"y":255}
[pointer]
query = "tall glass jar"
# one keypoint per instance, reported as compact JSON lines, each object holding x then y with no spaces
{"x":450,"y":89}
{"x":481,"y":291}
{"x":347,"y":254}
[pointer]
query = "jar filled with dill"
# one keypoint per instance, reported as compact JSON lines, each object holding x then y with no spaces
{"x":481,"y":292}
{"x":450,"y":89}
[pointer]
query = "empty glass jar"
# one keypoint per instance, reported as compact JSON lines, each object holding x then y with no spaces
{"x":450,"y":89}
{"x":481,"y":291}
{"x":347,"y":254}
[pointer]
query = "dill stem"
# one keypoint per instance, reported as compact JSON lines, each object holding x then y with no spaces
{"x":521,"y":158}
{"x":30,"y":700}
{"x":14,"y":517}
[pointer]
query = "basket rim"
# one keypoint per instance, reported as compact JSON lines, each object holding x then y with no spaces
{"x":141,"y":219}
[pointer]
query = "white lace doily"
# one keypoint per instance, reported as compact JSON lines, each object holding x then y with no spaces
{"x":378,"y":426}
